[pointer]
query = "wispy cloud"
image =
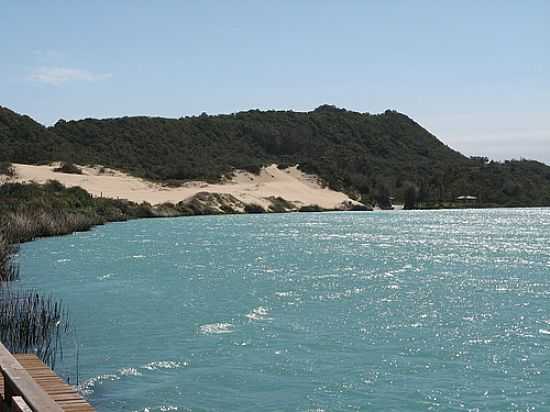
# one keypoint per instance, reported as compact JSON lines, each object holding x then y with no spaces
{"x":59,"y":75}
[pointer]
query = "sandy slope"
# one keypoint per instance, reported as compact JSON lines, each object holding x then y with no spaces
{"x":291,"y":184}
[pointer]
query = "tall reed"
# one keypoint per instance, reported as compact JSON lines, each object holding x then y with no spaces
{"x":31,"y":323}
{"x":9,"y":270}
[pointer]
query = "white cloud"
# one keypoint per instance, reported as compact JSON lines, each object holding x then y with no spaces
{"x":59,"y":75}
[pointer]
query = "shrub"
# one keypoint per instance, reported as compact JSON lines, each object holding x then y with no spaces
{"x":280,"y":205}
{"x":68,"y":168}
{"x":7,"y":169}
{"x":253,"y":208}
{"x":311,"y":208}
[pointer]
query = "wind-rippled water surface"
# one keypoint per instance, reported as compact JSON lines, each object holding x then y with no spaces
{"x":415,"y":311}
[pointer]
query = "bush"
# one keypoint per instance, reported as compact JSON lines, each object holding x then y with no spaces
{"x":311,"y":208}
{"x":253,"y":208}
{"x":410,"y":197}
{"x":68,"y":168}
{"x":280,"y":205}
{"x":7,"y":169}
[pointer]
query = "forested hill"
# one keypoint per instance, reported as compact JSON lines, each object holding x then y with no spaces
{"x":361,"y":153}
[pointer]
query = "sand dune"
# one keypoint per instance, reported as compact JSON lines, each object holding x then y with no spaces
{"x":291,"y":184}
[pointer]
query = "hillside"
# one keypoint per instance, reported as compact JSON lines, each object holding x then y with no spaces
{"x":368,"y":156}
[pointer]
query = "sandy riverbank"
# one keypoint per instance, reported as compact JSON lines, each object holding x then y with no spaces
{"x":290,"y":184}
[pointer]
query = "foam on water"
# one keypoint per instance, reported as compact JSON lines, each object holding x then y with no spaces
{"x":216,"y":328}
{"x":165,"y":365}
{"x":129,"y":372}
{"x":259,"y":313}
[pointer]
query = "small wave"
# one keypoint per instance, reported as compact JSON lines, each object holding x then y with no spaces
{"x":259,"y":313}
{"x":216,"y":328}
{"x":88,"y":386}
{"x":63,"y":260}
{"x":129,"y":372}
{"x":162,"y":408}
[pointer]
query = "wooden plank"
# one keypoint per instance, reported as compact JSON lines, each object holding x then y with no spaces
{"x":63,"y":394}
{"x":37,"y":386}
{"x":19,"y":404}
{"x":17,"y":381}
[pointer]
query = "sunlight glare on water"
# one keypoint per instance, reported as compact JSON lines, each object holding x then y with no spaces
{"x":416,"y":311}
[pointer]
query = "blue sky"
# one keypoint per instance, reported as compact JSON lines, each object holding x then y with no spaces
{"x":476,"y":74}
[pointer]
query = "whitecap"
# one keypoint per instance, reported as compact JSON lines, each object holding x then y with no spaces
{"x":138,"y":256}
{"x":161,"y":408}
{"x":63,"y":260}
{"x":103,"y":277}
{"x":216,"y":328}
{"x":129,"y":372}
{"x":152,"y":366}
{"x":259,"y":313}
{"x":88,"y":386}
{"x":544,"y":331}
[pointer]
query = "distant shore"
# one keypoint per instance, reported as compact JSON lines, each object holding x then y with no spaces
{"x":289,"y":184}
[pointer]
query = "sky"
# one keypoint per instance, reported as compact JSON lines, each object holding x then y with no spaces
{"x":475,"y":74}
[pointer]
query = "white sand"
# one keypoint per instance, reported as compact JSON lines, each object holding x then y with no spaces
{"x":291,"y":184}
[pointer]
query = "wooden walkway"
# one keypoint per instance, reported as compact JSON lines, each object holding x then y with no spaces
{"x":65,"y":397}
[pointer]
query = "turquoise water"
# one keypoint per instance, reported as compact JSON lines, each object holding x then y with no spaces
{"x":403,"y":311}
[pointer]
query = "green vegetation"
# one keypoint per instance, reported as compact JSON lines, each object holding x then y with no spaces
{"x":254,"y":208}
{"x":28,"y":211}
{"x":311,"y":208}
{"x":371,"y":157}
{"x":29,"y":322}
{"x":67,"y":167}
{"x":7,"y":169}
{"x":9,"y":271}
{"x":280,"y":205}
{"x":411,"y":198}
